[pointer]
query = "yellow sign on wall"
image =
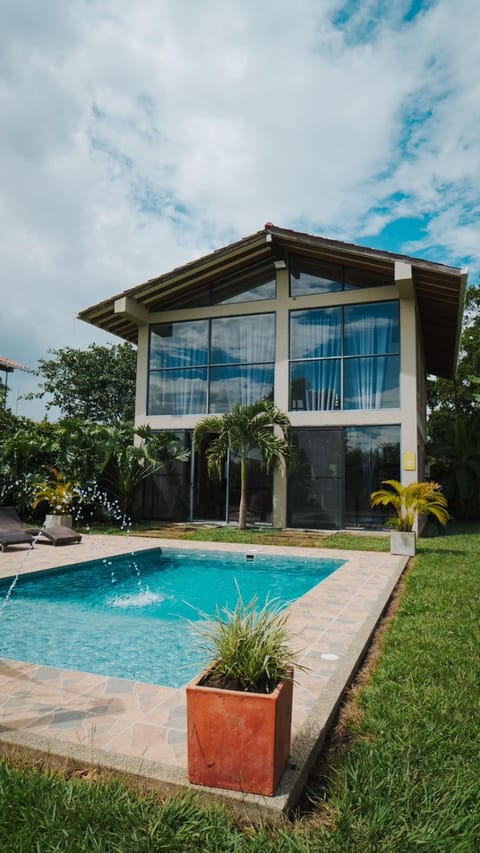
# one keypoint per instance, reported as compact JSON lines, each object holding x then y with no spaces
{"x":409,"y":461}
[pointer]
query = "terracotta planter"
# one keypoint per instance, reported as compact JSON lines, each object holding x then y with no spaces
{"x":238,"y":740}
{"x":403,"y":542}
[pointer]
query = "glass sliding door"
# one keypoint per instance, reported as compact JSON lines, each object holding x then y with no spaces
{"x":315,"y":488}
{"x":372,"y":454}
{"x":209,"y":493}
{"x":166,"y":493}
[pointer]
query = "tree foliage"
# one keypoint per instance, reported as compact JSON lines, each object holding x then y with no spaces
{"x":96,"y":385}
{"x":454,"y":421}
{"x":126,"y":465}
{"x":99,"y":458}
{"x":460,"y":395}
{"x":94,"y":444}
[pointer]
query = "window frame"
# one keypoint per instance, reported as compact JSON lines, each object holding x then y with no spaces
{"x":342,"y":356}
{"x":209,"y":364}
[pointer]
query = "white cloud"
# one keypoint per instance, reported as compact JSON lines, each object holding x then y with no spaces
{"x":137,"y":136}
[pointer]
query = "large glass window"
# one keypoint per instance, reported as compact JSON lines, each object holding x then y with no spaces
{"x":248,"y":286}
{"x":207,"y":365}
{"x":309,"y":276}
{"x":178,"y":368}
{"x":248,"y":290}
{"x":313,"y":277}
{"x":345,"y":357}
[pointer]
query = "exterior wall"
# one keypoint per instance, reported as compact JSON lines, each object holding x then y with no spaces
{"x":410,"y":415}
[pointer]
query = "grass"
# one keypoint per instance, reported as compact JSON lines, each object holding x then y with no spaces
{"x":252,"y":536}
{"x":267,"y":536}
{"x":401,"y":773}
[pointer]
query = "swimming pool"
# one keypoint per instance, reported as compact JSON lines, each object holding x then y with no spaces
{"x":129,"y":616}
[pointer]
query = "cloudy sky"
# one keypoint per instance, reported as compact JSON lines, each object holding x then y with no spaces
{"x":135,"y":136}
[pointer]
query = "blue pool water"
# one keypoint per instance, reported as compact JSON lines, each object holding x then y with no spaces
{"x":130,"y":616}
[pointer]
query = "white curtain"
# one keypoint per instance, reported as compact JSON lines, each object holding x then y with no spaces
{"x":371,"y":332}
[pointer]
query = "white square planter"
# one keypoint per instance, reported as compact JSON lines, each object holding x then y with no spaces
{"x":403,"y":542}
{"x":55,"y":520}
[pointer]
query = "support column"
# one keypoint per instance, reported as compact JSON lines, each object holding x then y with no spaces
{"x":409,"y":462}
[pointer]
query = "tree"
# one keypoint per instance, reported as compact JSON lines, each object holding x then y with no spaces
{"x":460,"y":394}
{"x":454,"y":420}
{"x":455,"y":453}
{"x":246,"y":427}
{"x":96,"y":385}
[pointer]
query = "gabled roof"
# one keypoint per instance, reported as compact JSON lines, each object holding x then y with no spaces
{"x":439,"y":289}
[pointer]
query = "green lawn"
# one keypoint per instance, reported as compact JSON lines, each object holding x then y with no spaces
{"x":408,"y":778}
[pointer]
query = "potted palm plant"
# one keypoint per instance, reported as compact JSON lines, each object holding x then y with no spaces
{"x":409,"y":502}
{"x":239,"y":710}
{"x":60,"y":495}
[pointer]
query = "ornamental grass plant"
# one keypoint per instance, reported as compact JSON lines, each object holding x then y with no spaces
{"x":248,"y":648}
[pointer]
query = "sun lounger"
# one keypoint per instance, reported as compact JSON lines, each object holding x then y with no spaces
{"x":60,"y":535}
{"x":12,"y":531}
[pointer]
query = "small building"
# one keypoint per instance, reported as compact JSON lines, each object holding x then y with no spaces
{"x":340,"y":336}
{"x":8,"y":366}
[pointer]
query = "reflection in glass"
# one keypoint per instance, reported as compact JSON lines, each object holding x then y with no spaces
{"x":248,"y":286}
{"x":179,"y":344}
{"x":371,"y":383}
{"x":372,"y":454}
{"x":324,"y":375}
{"x":240,"y":384}
{"x":178,"y":392}
{"x":315,"y":385}
{"x":165,"y":494}
{"x":239,"y":367}
{"x":314,"y":277}
{"x":372,"y":329}
{"x":260,"y":490}
{"x":355,"y":278}
{"x":243,"y":340}
{"x":315,"y":487}
{"x":316,"y":333}
{"x":310,"y":276}
{"x":239,"y":293}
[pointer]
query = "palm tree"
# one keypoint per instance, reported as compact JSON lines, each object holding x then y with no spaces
{"x":256,"y":426}
{"x":411,"y":501}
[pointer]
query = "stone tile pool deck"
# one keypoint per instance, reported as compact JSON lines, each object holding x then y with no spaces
{"x":140,"y":729}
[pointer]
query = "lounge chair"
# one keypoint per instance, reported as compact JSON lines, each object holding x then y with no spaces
{"x":12,"y":531}
{"x":60,"y":535}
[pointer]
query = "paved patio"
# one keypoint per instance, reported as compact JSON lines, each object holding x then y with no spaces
{"x":140,"y":729}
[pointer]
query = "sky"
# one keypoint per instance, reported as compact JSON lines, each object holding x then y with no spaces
{"x":137,"y":136}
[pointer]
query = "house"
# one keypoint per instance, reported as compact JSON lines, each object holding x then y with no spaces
{"x":342,"y":337}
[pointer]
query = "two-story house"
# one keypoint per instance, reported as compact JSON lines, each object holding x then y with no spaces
{"x":342,"y":338}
